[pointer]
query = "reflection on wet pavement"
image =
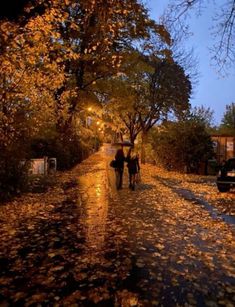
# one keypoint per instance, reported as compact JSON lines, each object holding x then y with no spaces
{"x":94,"y":195}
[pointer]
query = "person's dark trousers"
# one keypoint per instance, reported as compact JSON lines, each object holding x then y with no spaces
{"x":131,"y":184}
{"x":129,"y":180}
{"x":120,"y":171}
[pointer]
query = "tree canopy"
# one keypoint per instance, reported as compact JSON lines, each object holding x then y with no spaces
{"x":52,"y":62}
{"x":148,"y":92}
{"x":228,"y":120}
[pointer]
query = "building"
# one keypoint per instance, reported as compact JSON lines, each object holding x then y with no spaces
{"x":224,"y":146}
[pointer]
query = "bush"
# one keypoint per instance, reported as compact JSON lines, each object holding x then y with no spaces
{"x":182,"y":145}
{"x":13,"y":175}
{"x":68,"y":150}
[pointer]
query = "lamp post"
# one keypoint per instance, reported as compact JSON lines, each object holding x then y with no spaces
{"x":89,"y":109}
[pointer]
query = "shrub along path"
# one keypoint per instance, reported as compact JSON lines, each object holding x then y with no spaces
{"x":82,"y":243}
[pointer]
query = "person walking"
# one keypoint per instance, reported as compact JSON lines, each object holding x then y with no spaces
{"x":133,"y":167}
{"x":119,"y":167}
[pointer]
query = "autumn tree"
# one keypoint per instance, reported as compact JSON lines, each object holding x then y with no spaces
{"x":96,"y":33}
{"x":52,"y":54}
{"x":89,"y":37}
{"x":28,"y":79}
{"x":169,"y":91}
{"x":148,"y":93}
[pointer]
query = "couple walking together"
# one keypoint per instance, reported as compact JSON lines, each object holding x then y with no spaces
{"x":133,"y":166}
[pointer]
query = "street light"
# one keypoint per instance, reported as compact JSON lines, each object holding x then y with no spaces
{"x":89,"y":109}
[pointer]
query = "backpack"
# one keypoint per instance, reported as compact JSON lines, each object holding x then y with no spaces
{"x":113,"y":163}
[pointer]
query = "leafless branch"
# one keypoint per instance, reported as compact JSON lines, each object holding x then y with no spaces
{"x":224,"y":33}
{"x":223,"y":50}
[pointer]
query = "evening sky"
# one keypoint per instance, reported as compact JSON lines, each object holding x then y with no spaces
{"x":212,"y":90}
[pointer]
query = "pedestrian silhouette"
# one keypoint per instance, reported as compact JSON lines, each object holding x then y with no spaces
{"x":119,"y":167}
{"x":133,"y":167}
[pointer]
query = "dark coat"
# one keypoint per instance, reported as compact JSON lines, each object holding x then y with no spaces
{"x":133,"y":165}
{"x":120,"y":158}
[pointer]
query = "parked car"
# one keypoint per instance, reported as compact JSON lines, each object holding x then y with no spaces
{"x":226,"y":176}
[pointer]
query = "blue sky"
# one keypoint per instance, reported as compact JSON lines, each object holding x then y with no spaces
{"x":212,"y":90}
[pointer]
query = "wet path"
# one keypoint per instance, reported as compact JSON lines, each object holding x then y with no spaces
{"x":179,"y":253}
{"x":86,"y":244}
{"x":190,"y":196}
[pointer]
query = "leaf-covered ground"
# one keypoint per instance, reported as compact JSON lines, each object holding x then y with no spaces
{"x":83,"y":243}
{"x":203,"y":187}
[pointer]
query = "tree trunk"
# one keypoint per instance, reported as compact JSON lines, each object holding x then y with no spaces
{"x":132,"y":138}
{"x":143,"y":146}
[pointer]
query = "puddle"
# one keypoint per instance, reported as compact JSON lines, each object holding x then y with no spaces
{"x":190,"y":196}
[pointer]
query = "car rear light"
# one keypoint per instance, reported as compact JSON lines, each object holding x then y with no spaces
{"x":231,"y":173}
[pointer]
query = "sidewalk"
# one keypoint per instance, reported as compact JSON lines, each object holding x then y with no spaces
{"x":85,"y":244}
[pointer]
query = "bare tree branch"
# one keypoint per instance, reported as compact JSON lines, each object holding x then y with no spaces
{"x":224,"y":34}
{"x":223,"y":28}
